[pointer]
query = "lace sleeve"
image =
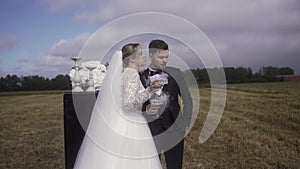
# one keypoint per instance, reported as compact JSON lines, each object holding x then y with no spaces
{"x":133,"y":93}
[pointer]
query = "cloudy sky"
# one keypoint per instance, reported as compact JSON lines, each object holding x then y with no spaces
{"x":39,"y":37}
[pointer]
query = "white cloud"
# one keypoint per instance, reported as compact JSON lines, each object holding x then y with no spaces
{"x":229,"y":13}
{"x":50,"y":66}
{"x":245,"y":33}
{"x":58,"y":57}
{"x":69,"y":47}
{"x":23,"y":59}
{"x":7,"y":41}
{"x":59,"y":5}
{"x":3,"y":73}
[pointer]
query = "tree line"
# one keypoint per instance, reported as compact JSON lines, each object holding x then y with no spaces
{"x":34,"y":83}
{"x":244,"y":75}
{"x":63,"y":82}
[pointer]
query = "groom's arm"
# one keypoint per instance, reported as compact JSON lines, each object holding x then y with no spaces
{"x":186,"y":100}
{"x":185,"y":95}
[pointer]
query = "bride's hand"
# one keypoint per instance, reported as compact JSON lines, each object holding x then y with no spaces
{"x":152,"y":109}
{"x":155,"y":86}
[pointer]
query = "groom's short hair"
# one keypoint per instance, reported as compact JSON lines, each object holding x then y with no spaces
{"x":157,"y":45}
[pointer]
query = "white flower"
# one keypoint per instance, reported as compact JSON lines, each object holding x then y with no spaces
{"x":84,"y":73}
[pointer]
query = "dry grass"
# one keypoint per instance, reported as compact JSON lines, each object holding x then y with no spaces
{"x":32,"y":131}
{"x":260,"y":128}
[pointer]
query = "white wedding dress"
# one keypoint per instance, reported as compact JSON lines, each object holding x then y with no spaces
{"x":118,"y":136}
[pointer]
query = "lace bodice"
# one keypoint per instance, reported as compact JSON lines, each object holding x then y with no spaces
{"x":133,"y":92}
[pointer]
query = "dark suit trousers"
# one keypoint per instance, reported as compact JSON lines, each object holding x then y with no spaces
{"x":173,"y":156}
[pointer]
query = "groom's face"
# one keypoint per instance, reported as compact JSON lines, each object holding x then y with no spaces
{"x":159,"y":59}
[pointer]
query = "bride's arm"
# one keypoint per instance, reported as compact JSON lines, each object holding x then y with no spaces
{"x":133,"y":96}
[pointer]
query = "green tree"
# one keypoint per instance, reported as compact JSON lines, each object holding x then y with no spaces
{"x":61,"y":82}
{"x":34,"y":83}
{"x":286,"y":71}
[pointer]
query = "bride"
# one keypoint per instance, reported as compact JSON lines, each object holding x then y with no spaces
{"x":118,"y":136}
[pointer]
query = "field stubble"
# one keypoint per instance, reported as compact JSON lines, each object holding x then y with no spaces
{"x":260,"y":128}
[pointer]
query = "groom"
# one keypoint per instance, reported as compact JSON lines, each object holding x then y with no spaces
{"x":169,"y":125}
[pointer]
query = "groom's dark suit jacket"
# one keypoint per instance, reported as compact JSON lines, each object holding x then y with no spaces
{"x":176,"y":87}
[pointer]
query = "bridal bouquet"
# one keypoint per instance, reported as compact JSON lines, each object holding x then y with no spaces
{"x":98,"y":73}
{"x":161,"y":79}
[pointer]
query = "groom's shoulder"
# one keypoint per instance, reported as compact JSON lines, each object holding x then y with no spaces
{"x":172,"y":70}
{"x":143,"y":72}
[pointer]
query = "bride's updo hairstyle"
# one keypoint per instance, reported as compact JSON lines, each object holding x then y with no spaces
{"x":129,"y":50}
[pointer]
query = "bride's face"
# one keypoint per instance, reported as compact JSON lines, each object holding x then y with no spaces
{"x":140,"y":57}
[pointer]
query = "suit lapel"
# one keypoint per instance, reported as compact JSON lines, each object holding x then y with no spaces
{"x":144,"y":77}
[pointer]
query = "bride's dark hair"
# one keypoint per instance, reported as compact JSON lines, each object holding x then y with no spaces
{"x":129,"y":50}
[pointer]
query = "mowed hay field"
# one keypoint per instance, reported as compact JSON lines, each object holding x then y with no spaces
{"x":260,"y":128}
